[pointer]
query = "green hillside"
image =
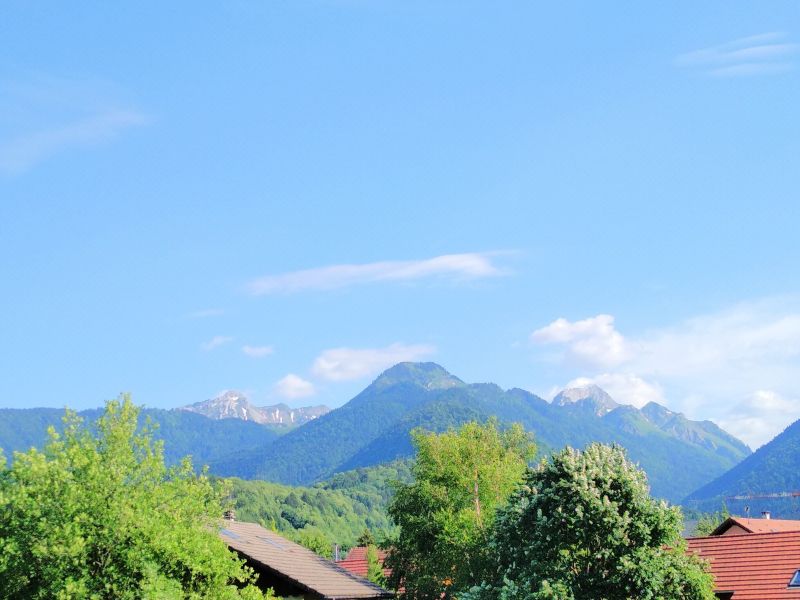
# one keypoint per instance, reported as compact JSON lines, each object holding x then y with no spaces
{"x":184,"y":433}
{"x":770,"y":469}
{"x":679,"y":455}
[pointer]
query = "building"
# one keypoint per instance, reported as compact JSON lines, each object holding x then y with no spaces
{"x":356,"y":561}
{"x":753,"y":559}
{"x":293,"y":571}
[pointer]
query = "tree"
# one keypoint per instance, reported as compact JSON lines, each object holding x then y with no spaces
{"x":708,"y":522}
{"x":374,"y":566}
{"x":97,"y":515}
{"x":584,"y":527}
{"x":445,"y":515}
{"x":366,"y":538}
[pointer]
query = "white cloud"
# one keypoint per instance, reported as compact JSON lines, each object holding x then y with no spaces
{"x":293,"y":386}
{"x":216,"y":342}
{"x":451,"y":266}
{"x":345,"y":364}
{"x":625,"y":388}
{"x":714,"y":366}
{"x":26,"y":150}
{"x":759,"y":416}
{"x":205,"y":313}
{"x":755,"y":55}
{"x":594,"y":340}
{"x":257,"y":351}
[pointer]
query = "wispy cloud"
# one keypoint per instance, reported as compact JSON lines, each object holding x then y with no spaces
{"x":469,"y":266}
{"x":721,"y":365}
{"x":345,"y":364}
{"x":293,"y":386}
{"x":762,"y":54}
{"x":205,"y":313}
{"x":23,"y":152}
{"x":257,"y":351}
{"x":216,"y":342}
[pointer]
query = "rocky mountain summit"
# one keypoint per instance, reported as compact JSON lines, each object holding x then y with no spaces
{"x":235,"y":405}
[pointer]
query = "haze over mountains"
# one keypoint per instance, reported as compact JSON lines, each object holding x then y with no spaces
{"x":238,"y":439}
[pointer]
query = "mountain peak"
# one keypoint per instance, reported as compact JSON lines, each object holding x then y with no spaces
{"x":234,"y":405}
{"x":425,"y":374}
{"x":589,"y":395}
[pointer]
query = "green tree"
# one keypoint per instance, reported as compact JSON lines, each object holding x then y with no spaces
{"x":583,"y":526}
{"x":374,"y":566}
{"x":366,"y":539}
{"x":708,"y":522}
{"x":445,"y":515}
{"x":97,"y":515}
{"x":316,"y":541}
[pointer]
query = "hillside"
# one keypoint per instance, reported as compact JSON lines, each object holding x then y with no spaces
{"x":679,"y":455}
{"x":184,"y":433}
{"x":235,"y":405}
{"x":340,"y":508}
{"x":770,"y":469}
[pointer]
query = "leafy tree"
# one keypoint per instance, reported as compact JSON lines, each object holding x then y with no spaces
{"x":98,"y":515}
{"x":316,"y":541}
{"x":708,"y":522}
{"x":366,"y":539}
{"x":374,"y":566}
{"x":445,"y":515}
{"x":584,"y":527}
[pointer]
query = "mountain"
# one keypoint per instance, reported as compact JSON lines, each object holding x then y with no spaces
{"x":772,"y":469}
{"x":588,"y":397}
{"x":234,"y":405}
{"x":184,"y":433}
{"x":679,"y":455}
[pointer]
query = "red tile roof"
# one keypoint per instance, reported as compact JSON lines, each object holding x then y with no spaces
{"x":356,"y":561}
{"x":758,"y":525}
{"x":754,"y":566}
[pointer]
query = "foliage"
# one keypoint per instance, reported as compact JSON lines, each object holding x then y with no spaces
{"x":366,"y":539}
{"x":97,"y":515}
{"x":445,"y":515}
{"x":584,"y":527}
{"x":708,"y":522}
{"x":316,"y":541}
{"x":340,"y":509}
{"x":374,"y":566}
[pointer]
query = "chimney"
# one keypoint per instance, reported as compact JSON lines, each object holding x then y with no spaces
{"x":765,"y":514}
{"x":336,"y":557}
{"x":229,"y":515}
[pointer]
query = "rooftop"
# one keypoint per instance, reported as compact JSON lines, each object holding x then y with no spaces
{"x":755,"y":566}
{"x":296,"y":564}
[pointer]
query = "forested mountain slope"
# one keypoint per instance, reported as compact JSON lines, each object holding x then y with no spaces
{"x":679,"y":455}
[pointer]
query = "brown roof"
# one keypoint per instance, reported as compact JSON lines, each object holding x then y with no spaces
{"x":356,"y":561}
{"x":757,"y":525}
{"x":754,"y":566}
{"x":297,"y":564}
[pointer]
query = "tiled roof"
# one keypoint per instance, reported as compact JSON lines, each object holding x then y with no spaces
{"x":758,"y":525}
{"x":356,"y":561}
{"x":754,"y":566}
{"x":297,"y":564}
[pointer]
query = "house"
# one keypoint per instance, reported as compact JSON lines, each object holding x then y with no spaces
{"x":356,"y":561}
{"x":739,"y":526}
{"x":753,"y":559}
{"x":293,"y":571}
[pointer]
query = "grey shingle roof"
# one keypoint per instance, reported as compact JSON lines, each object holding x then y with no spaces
{"x":295,"y":563}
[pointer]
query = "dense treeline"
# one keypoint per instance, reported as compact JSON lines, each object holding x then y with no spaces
{"x":336,"y":511}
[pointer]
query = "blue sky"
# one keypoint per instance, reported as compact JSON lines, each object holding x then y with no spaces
{"x":286,"y":197}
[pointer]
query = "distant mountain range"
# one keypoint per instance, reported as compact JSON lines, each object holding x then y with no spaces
{"x":679,"y":455}
{"x":771,"y":470}
{"x":238,"y":439}
{"x":234,"y":405}
{"x":184,"y":433}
